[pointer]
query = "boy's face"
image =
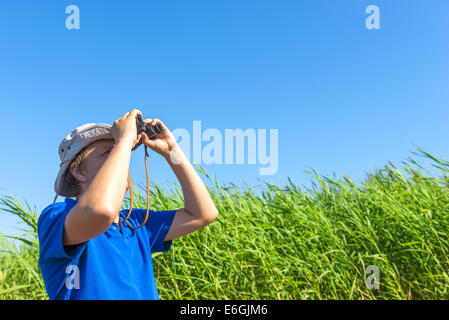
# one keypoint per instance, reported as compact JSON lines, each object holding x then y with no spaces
{"x":95,"y":157}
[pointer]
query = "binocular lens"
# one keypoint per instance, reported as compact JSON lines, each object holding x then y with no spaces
{"x":158,"y":128}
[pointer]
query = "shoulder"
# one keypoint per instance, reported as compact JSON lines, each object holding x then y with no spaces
{"x":51,"y":214}
{"x":51,"y":211}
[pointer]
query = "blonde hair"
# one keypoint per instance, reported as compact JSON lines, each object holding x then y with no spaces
{"x":78,"y":164}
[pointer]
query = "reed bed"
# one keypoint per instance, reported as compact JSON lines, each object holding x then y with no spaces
{"x":288,"y":242}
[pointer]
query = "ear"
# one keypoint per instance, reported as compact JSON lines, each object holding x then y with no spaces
{"x":78,"y":175}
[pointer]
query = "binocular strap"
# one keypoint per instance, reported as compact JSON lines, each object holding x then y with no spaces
{"x":131,"y":198}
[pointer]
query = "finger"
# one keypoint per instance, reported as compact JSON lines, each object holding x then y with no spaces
{"x":135,"y":112}
{"x":138,"y":140}
{"x":147,"y":121}
{"x":158,"y":121}
{"x":125,"y":115}
{"x":147,"y":141}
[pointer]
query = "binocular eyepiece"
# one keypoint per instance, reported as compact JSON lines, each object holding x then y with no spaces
{"x":151,"y":131}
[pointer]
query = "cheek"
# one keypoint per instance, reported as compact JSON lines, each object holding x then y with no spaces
{"x":94,"y":168}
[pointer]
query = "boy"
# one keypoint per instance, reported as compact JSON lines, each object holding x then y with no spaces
{"x":83,"y":253}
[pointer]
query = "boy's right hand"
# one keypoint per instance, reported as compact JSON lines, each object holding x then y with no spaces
{"x":125,"y":128}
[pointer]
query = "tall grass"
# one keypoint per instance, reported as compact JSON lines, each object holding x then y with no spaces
{"x":20,"y":277}
{"x":290,"y":242}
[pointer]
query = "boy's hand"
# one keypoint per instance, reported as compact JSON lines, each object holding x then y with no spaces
{"x":163,"y":143}
{"x":125,"y":128}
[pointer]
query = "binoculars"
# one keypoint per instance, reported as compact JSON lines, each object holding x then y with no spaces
{"x":151,"y":131}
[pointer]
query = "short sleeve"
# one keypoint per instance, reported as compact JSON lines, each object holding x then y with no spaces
{"x":50,"y":230}
{"x":158,"y":224}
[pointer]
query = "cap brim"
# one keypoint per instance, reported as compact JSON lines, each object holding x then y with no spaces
{"x":61,"y":187}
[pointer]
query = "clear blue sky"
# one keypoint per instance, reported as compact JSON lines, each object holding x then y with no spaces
{"x":345,"y":99}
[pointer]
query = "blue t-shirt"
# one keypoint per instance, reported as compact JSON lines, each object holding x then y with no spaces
{"x":114,"y":265}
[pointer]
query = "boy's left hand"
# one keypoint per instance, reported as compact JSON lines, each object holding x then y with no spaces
{"x":163,"y":143}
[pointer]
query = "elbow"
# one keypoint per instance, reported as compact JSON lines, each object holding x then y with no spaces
{"x":211,"y":216}
{"x":106,"y":215}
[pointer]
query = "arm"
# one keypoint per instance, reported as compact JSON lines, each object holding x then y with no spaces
{"x":199,"y":209}
{"x":100,"y":204}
